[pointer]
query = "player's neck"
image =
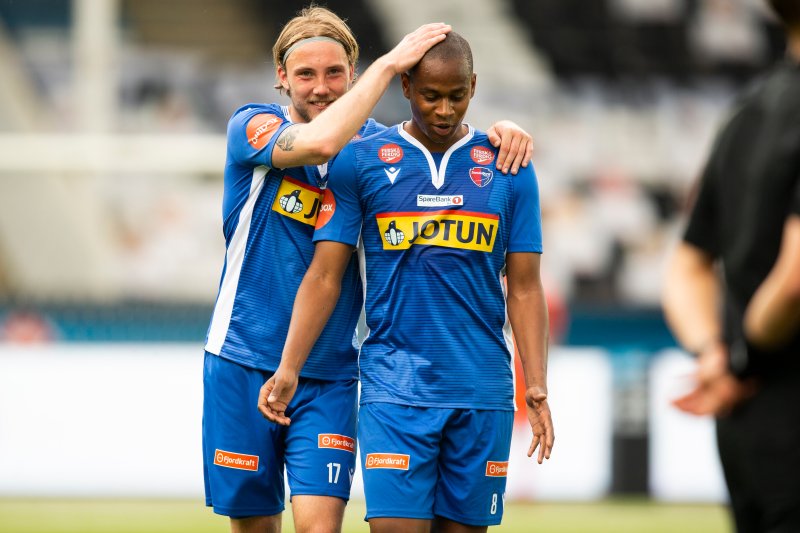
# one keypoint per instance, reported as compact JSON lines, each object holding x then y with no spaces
{"x":295,"y":116}
{"x":411,"y":128}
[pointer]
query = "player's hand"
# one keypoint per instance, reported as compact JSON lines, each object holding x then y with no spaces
{"x":516,"y":146}
{"x":414,"y":45}
{"x":541,"y":423}
{"x":275,"y":395}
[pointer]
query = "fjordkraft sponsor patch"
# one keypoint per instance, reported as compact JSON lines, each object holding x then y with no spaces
{"x":239,"y":461}
{"x":496,"y":468}
{"x":390,"y":153}
{"x":260,"y":129}
{"x":297,"y":200}
{"x":482,"y":155}
{"x":336,"y":442}
{"x":451,"y":229}
{"x":392,"y":461}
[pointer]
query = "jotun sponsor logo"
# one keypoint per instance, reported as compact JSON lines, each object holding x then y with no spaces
{"x":240,"y":461}
{"x":496,"y":468}
{"x":394,"y":461}
{"x":337,"y":442}
{"x":451,"y":229}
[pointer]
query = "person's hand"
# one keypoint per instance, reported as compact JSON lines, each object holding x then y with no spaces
{"x":275,"y":395}
{"x":410,"y":50}
{"x":516,"y":146}
{"x":541,"y":423}
{"x":716,"y":391}
{"x":716,"y":397}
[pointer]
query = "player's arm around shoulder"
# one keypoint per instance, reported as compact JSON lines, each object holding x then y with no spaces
{"x":527,"y":312}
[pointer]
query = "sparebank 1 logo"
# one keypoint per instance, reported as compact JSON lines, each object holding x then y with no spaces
{"x":291,"y":202}
{"x":393,"y":235}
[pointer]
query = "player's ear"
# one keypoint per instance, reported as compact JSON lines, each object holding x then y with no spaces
{"x":472,"y":85}
{"x":283,"y":78}
{"x":405,"y":81}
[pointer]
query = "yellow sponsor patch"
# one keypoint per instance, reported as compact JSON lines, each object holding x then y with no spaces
{"x":297,"y":200}
{"x":452,"y":229}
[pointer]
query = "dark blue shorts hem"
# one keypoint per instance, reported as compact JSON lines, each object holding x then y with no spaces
{"x":244,"y":512}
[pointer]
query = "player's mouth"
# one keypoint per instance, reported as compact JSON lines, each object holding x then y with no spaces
{"x":322,"y":105}
{"x":442,"y":129}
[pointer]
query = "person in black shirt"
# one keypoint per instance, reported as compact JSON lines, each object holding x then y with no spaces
{"x":732,"y":290}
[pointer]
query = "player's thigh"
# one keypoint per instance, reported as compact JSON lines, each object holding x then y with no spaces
{"x":399,"y":449}
{"x":242,"y":452}
{"x":321,"y":440}
{"x":473,"y":465}
{"x":317,"y":514}
{"x":257,"y":524}
{"x":399,"y":525}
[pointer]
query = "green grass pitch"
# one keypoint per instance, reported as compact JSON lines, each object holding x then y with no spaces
{"x":178,"y":516}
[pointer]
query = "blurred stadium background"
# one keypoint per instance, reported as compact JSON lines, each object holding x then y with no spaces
{"x":112,"y":123}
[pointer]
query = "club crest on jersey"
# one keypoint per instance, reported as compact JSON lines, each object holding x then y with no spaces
{"x":390,"y":153}
{"x":449,"y":229}
{"x":298,"y":201}
{"x":481,"y":176}
{"x":482,"y":155}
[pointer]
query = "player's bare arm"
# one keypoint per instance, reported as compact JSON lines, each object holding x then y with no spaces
{"x":527,"y":311}
{"x":316,"y":298}
{"x":317,"y":141}
{"x":773,"y":315}
{"x":286,"y":140}
{"x":516,"y":146}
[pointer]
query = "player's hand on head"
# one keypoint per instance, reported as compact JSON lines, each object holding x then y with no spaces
{"x":515,"y":146}
{"x":410,"y":50}
{"x":275,"y":395}
{"x":541,"y":421}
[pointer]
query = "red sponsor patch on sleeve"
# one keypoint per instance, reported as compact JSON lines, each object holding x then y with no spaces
{"x":326,"y":208}
{"x":261,"y":128}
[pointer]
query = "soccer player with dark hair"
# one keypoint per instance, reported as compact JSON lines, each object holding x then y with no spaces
{"x":270,"y":205}
{"x":732,"y":292}
{"x":440,"y":232}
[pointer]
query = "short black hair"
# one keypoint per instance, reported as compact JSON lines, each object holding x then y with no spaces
{"x":788,"y":12}
{"x":453,"y":47}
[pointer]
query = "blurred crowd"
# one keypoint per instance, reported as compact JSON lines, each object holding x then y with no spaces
{"x":638,"y":88}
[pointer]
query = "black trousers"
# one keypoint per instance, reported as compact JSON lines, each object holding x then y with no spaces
{"x":759,"y":446}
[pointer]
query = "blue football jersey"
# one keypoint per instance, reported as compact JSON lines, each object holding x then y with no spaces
{"x":435,"y":235}
{"x":268,"y":222}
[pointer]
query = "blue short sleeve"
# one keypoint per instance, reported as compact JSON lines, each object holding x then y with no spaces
{"x":252,"y":133}
{"x":526,"y":217}
{"x":340,"y":215}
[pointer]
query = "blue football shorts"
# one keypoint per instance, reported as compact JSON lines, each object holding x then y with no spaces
{"x":424,"y":462}
{"x":244,"y":454}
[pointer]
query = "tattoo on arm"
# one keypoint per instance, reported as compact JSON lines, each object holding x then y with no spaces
{"x":286,"y":140}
